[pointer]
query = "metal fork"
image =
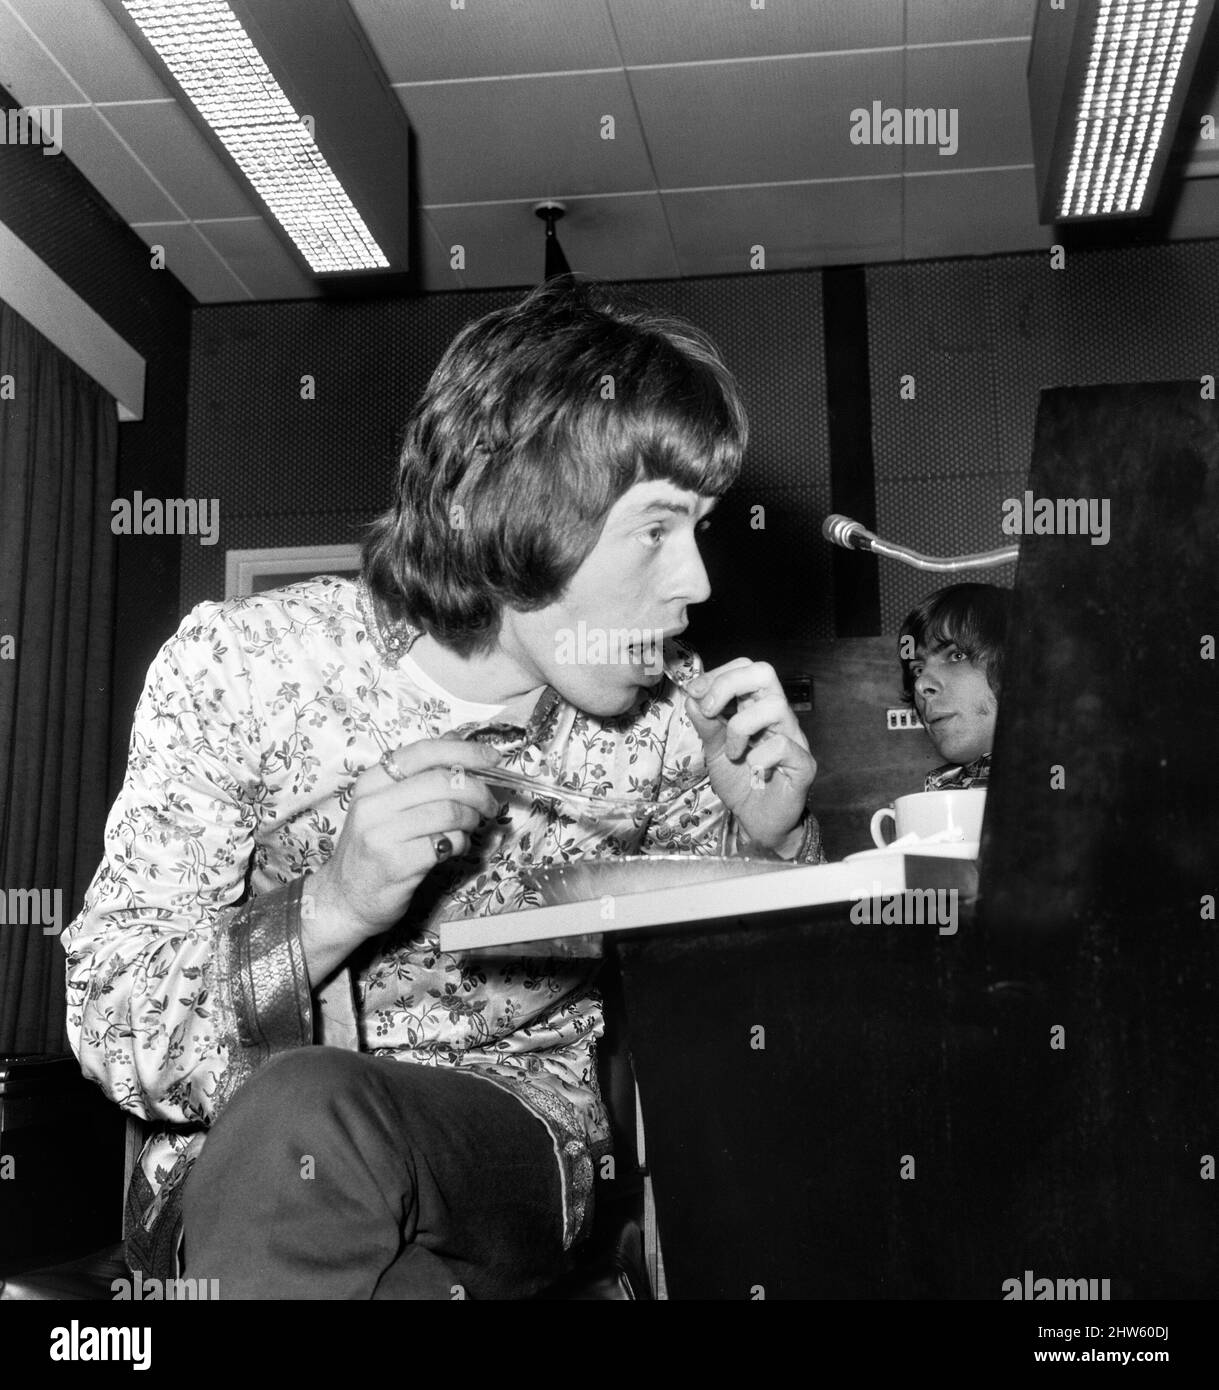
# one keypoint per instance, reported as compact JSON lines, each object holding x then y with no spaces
{"x":589,"y":806}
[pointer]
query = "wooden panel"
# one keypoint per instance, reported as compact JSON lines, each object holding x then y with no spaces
{"x":860,"y":763}
{"x":785,"y":1173}
{"x":1107,"y":676}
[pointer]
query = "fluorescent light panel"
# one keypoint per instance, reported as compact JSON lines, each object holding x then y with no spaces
{"x":213,"y":60}
{"x":1133,"y":65}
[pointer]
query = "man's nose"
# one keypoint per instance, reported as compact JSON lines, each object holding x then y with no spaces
{"x":691,"y":583}
{"x":926,"y":684}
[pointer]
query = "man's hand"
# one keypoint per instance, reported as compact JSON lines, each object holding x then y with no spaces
{"x":388,"y":846}
{"x":757,"y":756}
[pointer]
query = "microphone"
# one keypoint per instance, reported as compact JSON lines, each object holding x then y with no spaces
{"x":852,"y":535}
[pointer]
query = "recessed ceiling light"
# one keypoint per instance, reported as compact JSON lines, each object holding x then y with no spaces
{"x":1107,"y":83}
{"x":212,"y":58}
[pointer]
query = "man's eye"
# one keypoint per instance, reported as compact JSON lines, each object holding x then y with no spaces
{"x":653,"y":535}
{"x":958,"y":655}
{"x":916,"y":671}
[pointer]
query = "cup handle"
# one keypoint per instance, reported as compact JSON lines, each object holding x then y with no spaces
{"x":878,"y":820}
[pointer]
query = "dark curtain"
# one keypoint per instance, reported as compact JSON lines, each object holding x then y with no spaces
{"x":58,"y":458}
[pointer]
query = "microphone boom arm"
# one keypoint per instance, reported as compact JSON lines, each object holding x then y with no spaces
{"x":840,"y":530}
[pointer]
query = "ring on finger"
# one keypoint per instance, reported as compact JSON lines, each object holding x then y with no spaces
{"x":442,"y":847}
{"x":391,"y":767}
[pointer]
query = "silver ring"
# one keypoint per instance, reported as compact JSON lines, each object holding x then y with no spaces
{"x":442,"y":847}
{"x":387,"y":762}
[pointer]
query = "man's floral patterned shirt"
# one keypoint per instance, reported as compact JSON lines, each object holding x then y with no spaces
{"x":184,"y":967}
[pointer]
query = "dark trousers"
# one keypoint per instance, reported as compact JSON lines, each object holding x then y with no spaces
{"x":336,"y":1175}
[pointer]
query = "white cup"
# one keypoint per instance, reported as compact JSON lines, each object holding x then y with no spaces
{"x":956,"y":815}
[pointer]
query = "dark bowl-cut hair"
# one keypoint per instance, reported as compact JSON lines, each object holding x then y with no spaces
{"x":539,"y":417}
{"x":972,"y":616}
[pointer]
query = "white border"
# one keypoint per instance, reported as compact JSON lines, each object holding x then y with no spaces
{"x":242,"y":566}
{"x":54,"y":308}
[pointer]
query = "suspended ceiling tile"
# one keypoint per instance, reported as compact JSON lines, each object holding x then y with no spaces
{"x":735,"y":123}
{"x":27,"y":70}
{"x":499,"y":244}
{"x":420,"y":42}
{"x":171,"y":148}
{"x":1208,"y":106}
{"x":193,"y":262}
{"x":797,"y":225}
{"x":972,"y":214}
{"x":1202,"y":160}
{"x":684,"y":31}
{"x":946,"y":21}
{"x":985,"y":84}
{"x":90,"y":43}
{"x":618,"y":238}
{"x":113,"y":170}
{"x":1197,"y":210}
{"x":432,"y":258}
{"x":535,"y":137}
{"x":255,"y":254}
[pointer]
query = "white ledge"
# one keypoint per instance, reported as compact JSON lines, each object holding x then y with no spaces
{"x":54,"y":308}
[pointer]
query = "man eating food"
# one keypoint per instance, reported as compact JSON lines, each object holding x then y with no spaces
{"x":342,"y":1110}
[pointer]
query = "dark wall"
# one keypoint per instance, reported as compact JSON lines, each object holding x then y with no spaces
{"x":289,"y":471}
{"x":769,"y":568}
{"x":981,"y":338}
{"x":52,"y":208}
{"x":293,"y":471}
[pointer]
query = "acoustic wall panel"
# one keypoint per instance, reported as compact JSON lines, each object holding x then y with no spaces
{"x":975,"y":342}
{"x":288,"y":470}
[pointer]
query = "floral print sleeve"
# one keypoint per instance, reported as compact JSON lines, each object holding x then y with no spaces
{"x":177,"y":987}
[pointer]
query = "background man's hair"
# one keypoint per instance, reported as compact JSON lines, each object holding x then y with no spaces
{"x":538,"y":418}
{"x":973,"y":616}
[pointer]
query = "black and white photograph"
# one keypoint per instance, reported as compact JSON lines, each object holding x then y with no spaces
{"x":608,"y":681}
